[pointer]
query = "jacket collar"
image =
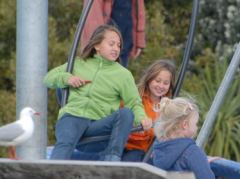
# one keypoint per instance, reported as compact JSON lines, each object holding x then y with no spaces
{"x":103,"y":60}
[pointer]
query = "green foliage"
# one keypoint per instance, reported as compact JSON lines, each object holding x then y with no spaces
{"x":7,"y":111}
{"x":177,"y":15}
{"x":8,"y":28}
{"x":66,"y":14}
{"x":7,"y":44}
{"x":219,"y":25}
{"x":159,"y":40}
{"x":224,"y":136}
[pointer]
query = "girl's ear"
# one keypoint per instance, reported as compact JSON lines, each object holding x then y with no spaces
{"x":97,"y":48}
{"x":185,"y":124}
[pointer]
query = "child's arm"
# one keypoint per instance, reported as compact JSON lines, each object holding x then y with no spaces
{"x":57,"y":77}
{"x":130,"y":95}
{"x":197,"y":162}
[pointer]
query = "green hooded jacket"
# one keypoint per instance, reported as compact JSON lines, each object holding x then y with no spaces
{"x":111,"y":83}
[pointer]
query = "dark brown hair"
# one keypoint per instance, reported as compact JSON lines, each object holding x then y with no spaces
{"x":151,"y":73}
{"x":96,"y":38}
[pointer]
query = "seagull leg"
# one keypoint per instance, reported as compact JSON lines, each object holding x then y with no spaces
{"x":12,"y":153}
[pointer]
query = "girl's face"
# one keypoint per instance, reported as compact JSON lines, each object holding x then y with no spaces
{"x":160,"y":85}
{"x":109,"y":48}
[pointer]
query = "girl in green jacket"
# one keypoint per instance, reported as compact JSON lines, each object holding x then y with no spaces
{"x":96,"y":86}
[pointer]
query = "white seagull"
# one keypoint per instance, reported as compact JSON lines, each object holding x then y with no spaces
{"x":18,"y":132}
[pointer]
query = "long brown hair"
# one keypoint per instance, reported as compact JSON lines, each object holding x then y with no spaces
{"x":96,"y":38}
{"x":151,"y":73}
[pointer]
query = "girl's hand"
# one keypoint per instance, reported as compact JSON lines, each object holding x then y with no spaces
{"x":146,"y":123}
{"x":139,"y":50}
{"x":211,"y":159}
{"x":75,"y":81}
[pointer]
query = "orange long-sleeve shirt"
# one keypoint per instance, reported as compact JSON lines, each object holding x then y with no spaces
{"x":142,"y":140}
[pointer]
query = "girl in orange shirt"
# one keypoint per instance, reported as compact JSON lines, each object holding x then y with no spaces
{"x":157,"y":82}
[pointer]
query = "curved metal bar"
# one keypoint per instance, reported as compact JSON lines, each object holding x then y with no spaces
{"x":185,"y":61}
{"x":188,"y":49}
{"x":72,"y":53}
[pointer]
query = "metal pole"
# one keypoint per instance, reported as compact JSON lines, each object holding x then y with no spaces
{"x":218,"y":100}
{"x":188,"y":49}
{"x":72,"y":53}
{"x":31,"y":66}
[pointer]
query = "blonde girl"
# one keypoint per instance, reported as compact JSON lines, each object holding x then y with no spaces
{"x":175,"y":148}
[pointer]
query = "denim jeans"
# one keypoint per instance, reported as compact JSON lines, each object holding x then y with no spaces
{"x":133,"y":155}
{"x":70,"y":129}
{"x":80,"y":154}
{"x":226,"y":168}
{"x":122,"y":18}
{"x":90,"y":151}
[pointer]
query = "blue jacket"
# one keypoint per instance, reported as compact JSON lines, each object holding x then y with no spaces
{"x":182,"y":154}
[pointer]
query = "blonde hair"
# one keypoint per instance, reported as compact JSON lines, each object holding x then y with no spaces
{"x":172,"y":112}
{"x":152,"y":72}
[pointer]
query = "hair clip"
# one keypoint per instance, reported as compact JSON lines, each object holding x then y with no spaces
{"x":190,"y":106}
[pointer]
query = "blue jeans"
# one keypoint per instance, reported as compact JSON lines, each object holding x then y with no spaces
{"x":133,"y":155}
{"x":80,"y":154}
{"x":122,"y":18}
{"x":226,"y":168}
{"x":90,"y":151}
{"x":70,"y":129}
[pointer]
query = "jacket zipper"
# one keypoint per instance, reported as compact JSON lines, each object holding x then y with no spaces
{"x":90,"y":89}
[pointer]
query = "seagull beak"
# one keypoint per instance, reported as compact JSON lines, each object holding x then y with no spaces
{"x":37,"y":113}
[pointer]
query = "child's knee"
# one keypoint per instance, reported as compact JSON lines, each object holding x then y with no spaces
{"x":127,"y":114}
